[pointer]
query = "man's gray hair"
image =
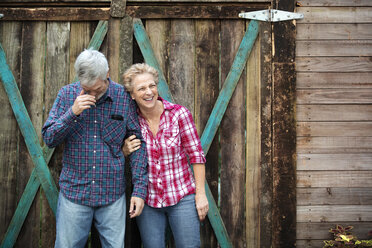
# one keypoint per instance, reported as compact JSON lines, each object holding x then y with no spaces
{"x":91,"y":65}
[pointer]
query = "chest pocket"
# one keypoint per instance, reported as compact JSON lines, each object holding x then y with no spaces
{"x":113,"y":131}
{"x":172,"y":136}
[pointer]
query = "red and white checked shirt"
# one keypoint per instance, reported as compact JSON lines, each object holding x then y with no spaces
{"x":170,"y":176}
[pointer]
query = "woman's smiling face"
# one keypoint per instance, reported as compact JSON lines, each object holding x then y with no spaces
{"x":145,"y":91}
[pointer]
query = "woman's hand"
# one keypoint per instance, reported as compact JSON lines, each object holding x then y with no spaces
{"x":202,"y":205}
{"x":131,"y":144}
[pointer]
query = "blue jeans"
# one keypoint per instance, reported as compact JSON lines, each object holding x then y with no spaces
{"x":74,"y":222}
{"x":182,"y":218}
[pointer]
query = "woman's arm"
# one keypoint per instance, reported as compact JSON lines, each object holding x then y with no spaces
{"x":201,"y":200}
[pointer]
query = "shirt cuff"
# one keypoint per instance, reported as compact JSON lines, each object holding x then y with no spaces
{"x":140,"y":191}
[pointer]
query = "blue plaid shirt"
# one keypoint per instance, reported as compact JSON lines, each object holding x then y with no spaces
{"x":93,"y":163}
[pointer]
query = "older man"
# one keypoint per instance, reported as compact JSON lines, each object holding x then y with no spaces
{"x":92,"y":117}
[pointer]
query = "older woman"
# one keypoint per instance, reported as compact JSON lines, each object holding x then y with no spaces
{"x":174,"y":196}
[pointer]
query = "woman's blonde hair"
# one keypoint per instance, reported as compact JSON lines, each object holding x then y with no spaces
{"x":135,"y":70}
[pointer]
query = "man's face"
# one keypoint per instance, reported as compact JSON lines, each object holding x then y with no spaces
{"x":98,"y":89}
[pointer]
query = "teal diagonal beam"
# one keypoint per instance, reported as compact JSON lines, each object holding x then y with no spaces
{"x":28,"y":132}
{"x":33,"y":183}
{"x":150,"y":59}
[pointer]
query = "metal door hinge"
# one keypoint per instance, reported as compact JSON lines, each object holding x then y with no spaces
{"x":271,"y":15}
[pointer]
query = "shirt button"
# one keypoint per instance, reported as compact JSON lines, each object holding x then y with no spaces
{"x":95,"y":136}
{"x":93,"y":181}
{"x":94,"y":167}
{"x":75,"y":120}
{"x":94,"y":151}
{"x":95,"y":121}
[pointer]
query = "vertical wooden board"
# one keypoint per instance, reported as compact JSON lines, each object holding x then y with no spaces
{"x":10,"y":38}
{"x":126,"y":45}
{"x":80,"y":34}
{"x":158,"y":32}
{"x":56,"y":76}
{"x":266,"y":179}
{"x":181,"y":62}
{"x":253,"y":151}
{"x":31,"y":88}
{"x":232,"y":139}
{"x":207,"y":45}
{"x":113,"y":44}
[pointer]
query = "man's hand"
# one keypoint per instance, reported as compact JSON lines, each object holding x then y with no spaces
{"x":131,"y":144}
{"x":136,"y":206}
{"x":202,"y":205}
{"x":83,"y":102}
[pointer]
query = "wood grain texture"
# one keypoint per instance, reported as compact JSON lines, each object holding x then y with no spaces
{"x":181,"y":62}
{"x":333,"y":64}
{"x":319,"y":162}
{"x":335,"y":129}
{"x":10,"y":38}
{"x":334,"y":48}
{"x":334,"y":196}
{"x":207,"y":81}
{"x":335,"y":14}
{"x":334,"y":213}
{"x":126,"y":45}
{"x":344,"y":179}
{"x":56,"y":75}
{"x":334,"y":96}
{"x":328,"y":3}
{"x":334,"y":31}
{"x":334,"y":113}
{"x":266,"y":171}
{"x":55,"y":14}
{"x":335,"y":80}
{"x":112,"y":46}
{"x":253,"y":145}
{"x":232,"y":132}
{"x":334,"y":145}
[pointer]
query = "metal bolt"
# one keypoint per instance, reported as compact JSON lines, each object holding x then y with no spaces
{"x":1,"y":16}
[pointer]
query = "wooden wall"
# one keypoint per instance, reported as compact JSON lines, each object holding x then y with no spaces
{"x":334,"y":118}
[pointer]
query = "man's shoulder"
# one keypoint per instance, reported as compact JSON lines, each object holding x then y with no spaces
{"x":118,"y":90}
{"x":71,"y":87}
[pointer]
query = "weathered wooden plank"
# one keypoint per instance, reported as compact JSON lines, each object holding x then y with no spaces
{"x":321,"y":230}
{"x":334,"y":48}
{"x":334,"y":80}
{"x":10,"y":38}
{"x":334,"y":213}
{"x":342,"y":161}
{"x":334,"y":196}
{"x":327,"y":145}
{"x":253,"y":143}
{"x":341,"y":129}
{"x":328,"y":3}
{"x":266,"y":171}
{"x":335,"y":14}
{"x":131,"y":1}
{"x":232,"y":132}
{"x":207,"y":40}
{"x":192,"y":10}
{"x":55,"y":14}
{"x":56,"y":76}
{"x":149,"y":56}
{"x":333,"y":64}
{"x":334,"y":113}
{"x":181,"y":62}
{"x":344,"y":179}
{"x":158,"y":31}
{"x":126,"y":45}
{"x":334,"y":31}
{"x":117,"y":8}
{"x":334,"y":96}
{"x":28,"y":131}
{"x":112,"y":46}
{"x":310,"y":243}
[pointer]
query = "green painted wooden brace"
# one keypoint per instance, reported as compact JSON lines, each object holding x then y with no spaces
{"x":34,"y":181}
{"x":218,"y":111}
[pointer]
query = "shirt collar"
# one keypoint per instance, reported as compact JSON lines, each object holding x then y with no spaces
{"x":109,"y":92}
{"x":167,"y":105}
